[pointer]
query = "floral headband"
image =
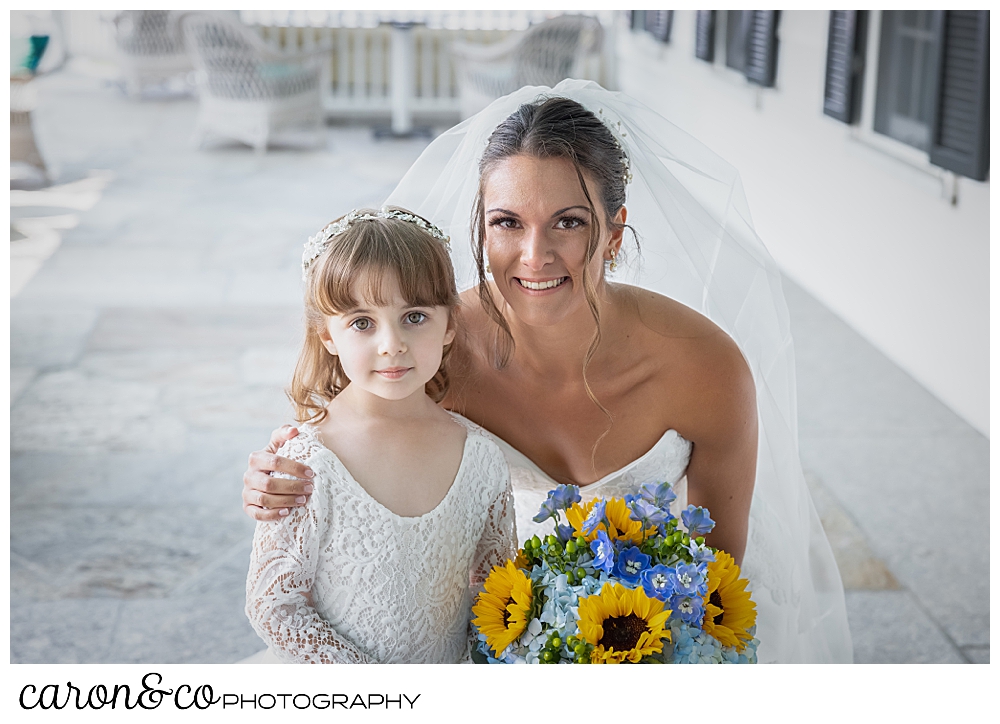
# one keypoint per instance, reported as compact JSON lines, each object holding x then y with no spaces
{"x":317,"y":244}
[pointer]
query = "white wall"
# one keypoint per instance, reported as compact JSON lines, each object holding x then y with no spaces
{"x":868,"y":228}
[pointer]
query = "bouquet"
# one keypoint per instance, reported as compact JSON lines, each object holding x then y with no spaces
{"x":621,"y":581}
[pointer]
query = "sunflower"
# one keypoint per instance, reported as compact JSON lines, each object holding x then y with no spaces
{"x":502,"y":611}
{"x":622,"y":624}
{"x":623,"y":527}
{"x":729,"y":612}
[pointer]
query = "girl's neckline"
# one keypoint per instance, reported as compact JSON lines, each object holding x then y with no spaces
{"x":349,"y":476}
{"x":669,"y":433}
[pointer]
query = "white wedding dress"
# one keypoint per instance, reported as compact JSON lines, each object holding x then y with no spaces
{"x":666,"y":461}
{"x":345,"y":580}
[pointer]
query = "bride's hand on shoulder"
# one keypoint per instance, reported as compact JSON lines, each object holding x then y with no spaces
{"x":266,"y":497}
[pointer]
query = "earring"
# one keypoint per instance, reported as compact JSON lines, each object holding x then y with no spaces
{"x":614,"y":263}
{"x":488,"y":269}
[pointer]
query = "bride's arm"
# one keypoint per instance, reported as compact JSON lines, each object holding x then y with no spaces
{"x":723,"y":463}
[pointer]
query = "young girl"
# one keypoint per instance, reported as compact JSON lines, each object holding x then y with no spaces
{"x":412,"y":504}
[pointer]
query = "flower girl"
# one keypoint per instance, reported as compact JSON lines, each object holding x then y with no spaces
{"x":412,"y":504}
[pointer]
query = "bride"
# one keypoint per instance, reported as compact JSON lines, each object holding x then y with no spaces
{"x":606,"y":364}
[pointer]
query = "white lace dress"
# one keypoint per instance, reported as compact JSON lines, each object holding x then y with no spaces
{"x":345,"y":580}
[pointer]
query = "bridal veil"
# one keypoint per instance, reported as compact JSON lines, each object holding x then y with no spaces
{"x":698,"y":246}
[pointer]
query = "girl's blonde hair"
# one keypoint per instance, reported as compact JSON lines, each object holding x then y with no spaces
{"x":368,"y":251}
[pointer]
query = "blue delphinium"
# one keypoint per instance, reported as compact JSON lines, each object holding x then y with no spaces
{"x":700,"y":553}
{"x":696,"y":521}
{"x":656,"y":582}
{"x":564,"y":496}
{"x":595,"y":518}
{"x":564,"y":532}
{"x":604,"y":552}
{"x":687,"y":608}
{"x":688,"y":579}
{"x":646,"y":513}
{"x":548,"y":510}
{"x":630,"y":565}
{"x":659,"y":494}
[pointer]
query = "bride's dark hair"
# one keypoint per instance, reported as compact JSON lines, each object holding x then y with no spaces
{"x":553,"y":128}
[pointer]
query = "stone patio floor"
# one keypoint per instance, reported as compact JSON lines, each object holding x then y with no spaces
{"x":154,"y":322}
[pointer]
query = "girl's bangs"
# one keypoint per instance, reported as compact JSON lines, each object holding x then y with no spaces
{"x":358,"y":269}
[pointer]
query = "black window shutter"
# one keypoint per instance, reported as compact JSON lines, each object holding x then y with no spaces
{"x":660,"y":23}
{"x":762,"y":47}
{"x":845,"y":64}
{"x":637,"y":19}
{"x":960,"y":131}
{"x":704,"y":35}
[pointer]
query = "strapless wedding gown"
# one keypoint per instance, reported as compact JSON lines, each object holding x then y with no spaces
{"x":666,"y":461}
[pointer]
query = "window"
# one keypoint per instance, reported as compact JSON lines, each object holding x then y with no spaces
{"x":933,"y":85}
{"x":907,"y":63}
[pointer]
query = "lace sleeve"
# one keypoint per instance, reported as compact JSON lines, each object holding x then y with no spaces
{"x":279,"y":584}
{"x":498,"y":543}
{"x":499,"y":540}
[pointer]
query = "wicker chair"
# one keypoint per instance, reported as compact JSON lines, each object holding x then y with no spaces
{"x":150,"y":48}
{"x":247,"y":90}
{"x":544,"y":54}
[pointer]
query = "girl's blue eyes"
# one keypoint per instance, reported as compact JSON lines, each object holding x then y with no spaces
{"x":363,"y":324}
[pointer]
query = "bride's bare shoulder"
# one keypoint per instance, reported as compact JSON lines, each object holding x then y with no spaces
{"x":666,"y":317}
{"x":710,"y":358}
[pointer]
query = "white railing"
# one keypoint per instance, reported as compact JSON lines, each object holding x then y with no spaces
{"x":361,"y":51}
{"x":360,"y":42}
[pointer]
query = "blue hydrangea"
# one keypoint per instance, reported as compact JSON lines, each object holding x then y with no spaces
{"x":691,"y":645}
{"x":595,"y":518}
{"x":657,"y":493}
{"x":631,"y":563}
{"x":656,"y":582}
{"x":696,"y":521}
{"x":560,"y":608}
{"x":604,"y":552}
